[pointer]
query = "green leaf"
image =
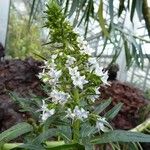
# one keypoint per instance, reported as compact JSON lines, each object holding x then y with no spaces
{"x":101,"y":19}
{"x":87,"y":130}
{"x":30,"y":147}
{"x":121,"y":7}
{"x":74,"y":6}
{"x":68,"y":147}
{"x":133,"y":9}
{"x":113,"y":112}
{"x":121,"y":136}
{"x":139,"y":5}
{"x":105,"y":42}
{"x":127,"y":53}
{"x":14,"y":132}
{"x":135,"y":55}
{"x":111,"y":10}
{"x":102,"y":106}
{"x":45,"y":135}
{"x":66,"y":133}
{"x":66,"y":6}
{"x":55,"y":120}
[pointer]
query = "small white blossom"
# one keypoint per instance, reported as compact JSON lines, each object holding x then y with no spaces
{"x":104,"y":78}
{"x":77,"y":113}
{"x":80,"y":113}
{"x":79,"y":81}
{"x":97,"y":91}
{"x":59,"y":97}
{"x":99,"y":71}
{"x":94,"y":97}
{"x":92,"y":61}
{"x":80,"y":39}
{"x":70,"y":61}
{"x":41,"y":74}
{"x":54,"y":76}
{"x":44,"y":106}
{"x":54,"y":73}
{"x":47,"y":114}
{"x":100,"y":124}
{"x":70,"y":114}
{"x":53,"y":57}
{"x":73,"y":71}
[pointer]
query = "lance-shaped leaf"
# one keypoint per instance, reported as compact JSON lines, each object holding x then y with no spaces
{"x":15,"y":131}
{"x":101,"y":19}
{"x":121,"y":136}
{"x":102,"y":106}
{"x":113,"y":112}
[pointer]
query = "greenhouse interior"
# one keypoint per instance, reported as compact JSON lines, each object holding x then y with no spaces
{"x":75,"y":74}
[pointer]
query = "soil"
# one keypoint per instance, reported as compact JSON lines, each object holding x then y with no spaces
{"x":133,"y":111}
{"x":21,"y":76}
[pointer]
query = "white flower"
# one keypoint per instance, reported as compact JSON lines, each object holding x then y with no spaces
{"x":94,"y":97}
{"x":70,"y":61}
{"x":59,"y":97}
{"x":70,"y":114}
{"x":54,"y":76}
{"x":79,"y":81}
{"x":99,"y":71}
{"x":47,"y":114}
{"x":49,"y":65}
{"x":97,"y":91}
{"x":73,"y":71}
{"x":80,"y":113}
{"x":44,"y":106}
{"x":80,"y":39}
{"x":92,"y":61}
{"x":104,"y":78}
{"x":53,"y":57}
{"x":100,"y":124}
{"x":41,"y":74}
{"x":77,"y":113}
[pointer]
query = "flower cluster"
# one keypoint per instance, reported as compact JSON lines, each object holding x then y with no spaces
{"x":66,"y":74}
{"x":59,"y":96}
{"x":78,"y":80}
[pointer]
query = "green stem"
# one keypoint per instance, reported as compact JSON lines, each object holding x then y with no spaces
{"x":76,"y":123}
{"x":9,"y":146}
{"x":76,"y":131}
{"x":76,"y":96}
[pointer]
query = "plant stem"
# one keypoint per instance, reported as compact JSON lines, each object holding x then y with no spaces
{"x":143,"y":126}
{"x":76,"y":123}
{"x":76,"y":130}
{"x":9,"y":146}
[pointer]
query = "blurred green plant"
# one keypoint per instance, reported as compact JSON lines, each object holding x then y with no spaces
{"x":85,"y":11}
{"x":22,"y":42}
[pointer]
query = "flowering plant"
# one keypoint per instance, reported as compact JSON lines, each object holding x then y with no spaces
{"x":72,"y":76}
